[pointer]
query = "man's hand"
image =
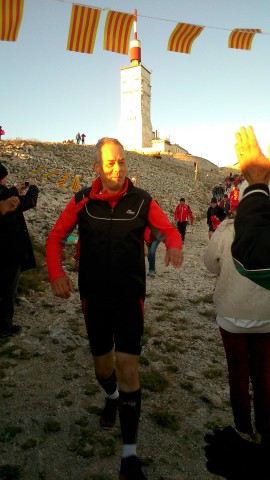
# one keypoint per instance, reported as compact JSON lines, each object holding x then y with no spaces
{"x":253,"y":163}
{"x":175,"y":257}
{"x":62,"y":287}
{"x":9,"y":205}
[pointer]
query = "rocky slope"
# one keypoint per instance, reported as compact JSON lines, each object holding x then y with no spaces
{"x":49,"y":397}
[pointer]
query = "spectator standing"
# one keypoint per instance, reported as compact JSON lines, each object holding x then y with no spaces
{"x":234,"y":198}
{"x":243,"y":317}
{"x":251,"y":246}
{"x":15,"y":246}
{"x":78,"y":138}
{"x":182,"y":214}
{"x":112,"y":216}
{"x":83,"y":138}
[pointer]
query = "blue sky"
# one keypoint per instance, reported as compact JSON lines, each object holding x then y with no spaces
{"x":198,"y":100}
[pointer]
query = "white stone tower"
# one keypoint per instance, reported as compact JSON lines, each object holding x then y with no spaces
{"x":135,"y":125}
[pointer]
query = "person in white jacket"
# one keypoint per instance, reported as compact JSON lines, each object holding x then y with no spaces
{"x":243,"y":316}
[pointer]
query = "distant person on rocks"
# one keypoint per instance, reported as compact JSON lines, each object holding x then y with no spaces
{"x":182,"y":215}
{"x":112,"y":216}
{"x":215,"y":214}
{"x":2,"y":132}
{"x":78,"y":138}
{"x":234,"y":198}
{"x":15,"y":246}
{"x":225,"y":203}
{"x":83,"y":138}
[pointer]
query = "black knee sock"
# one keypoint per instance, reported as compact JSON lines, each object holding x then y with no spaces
{"x":129,"y":414}
{"x":108,"y":384}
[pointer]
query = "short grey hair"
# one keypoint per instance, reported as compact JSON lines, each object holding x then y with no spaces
{"x":99,"y":145}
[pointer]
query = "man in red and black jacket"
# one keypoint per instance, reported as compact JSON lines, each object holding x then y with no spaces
{"x":112,"y":216}
{"x":182,"y":214}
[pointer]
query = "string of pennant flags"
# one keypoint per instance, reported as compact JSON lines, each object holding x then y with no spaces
{"x":75,"y":186}
{"x":84,"y":22}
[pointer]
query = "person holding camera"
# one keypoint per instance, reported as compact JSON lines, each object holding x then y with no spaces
{"x":15,"y":246}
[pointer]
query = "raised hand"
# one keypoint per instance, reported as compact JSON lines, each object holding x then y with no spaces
{"x":253,"y":163}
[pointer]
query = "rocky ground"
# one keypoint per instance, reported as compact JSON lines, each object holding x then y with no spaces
{"x":49,"y":396}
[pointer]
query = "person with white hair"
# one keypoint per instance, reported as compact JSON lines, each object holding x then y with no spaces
{"x":243,"y":317}
{"x":251,"y":245}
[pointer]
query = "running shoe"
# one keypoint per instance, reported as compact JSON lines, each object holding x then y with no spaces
{"x":108,"y":415}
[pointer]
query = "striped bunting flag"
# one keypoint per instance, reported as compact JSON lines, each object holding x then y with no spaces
{"x":76,"y":183}
{"x":241,"y":38}
{"x":117,"y":32}
{"x":83,"y":29}
{"x":63,"y":181}
{"x":49,"y":174}
{"x":11,"y":12}
{"x":183,"y":36}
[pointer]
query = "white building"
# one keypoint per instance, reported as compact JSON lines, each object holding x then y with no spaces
{"x":135,"y":124}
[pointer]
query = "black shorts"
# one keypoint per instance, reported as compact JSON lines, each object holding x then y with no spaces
{"x":114,"y":323}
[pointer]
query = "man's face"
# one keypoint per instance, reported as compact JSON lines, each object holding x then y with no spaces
{"x":113,"y":168}
{"x":182,"y":202}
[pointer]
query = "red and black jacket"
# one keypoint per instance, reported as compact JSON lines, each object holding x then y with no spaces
{"x":111,"y":240}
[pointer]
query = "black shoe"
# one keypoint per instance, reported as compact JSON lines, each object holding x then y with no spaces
{"x":14,"y":330}
{"x":232,"y":457}
{"x":108,"y":415}
{"x":131,"y":469}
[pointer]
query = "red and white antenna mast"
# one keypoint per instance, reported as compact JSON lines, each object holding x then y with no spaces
{"x":135,"y":44}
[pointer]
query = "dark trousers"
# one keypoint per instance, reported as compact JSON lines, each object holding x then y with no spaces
{"x":152,"y":255}
{"x":9,"y":280}
{"x":182,"y":226}
{"x":248,"y":358}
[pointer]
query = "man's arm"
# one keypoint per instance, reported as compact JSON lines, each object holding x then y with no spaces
{"x":251,"y":246}
{"x":191,"y":216}
{"x":60,"y":282}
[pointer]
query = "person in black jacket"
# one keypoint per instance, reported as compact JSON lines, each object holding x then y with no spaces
{"x":15,"y":246}
{"x":215,"y":214}
{"x":112,"y":216}
{"x":251,"y":245}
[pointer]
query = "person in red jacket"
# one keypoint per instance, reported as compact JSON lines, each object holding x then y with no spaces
{"x":112,"y":216}
{"x":182,"y":214}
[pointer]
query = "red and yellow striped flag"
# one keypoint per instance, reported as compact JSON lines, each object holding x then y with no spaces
{"x":183,"y":36}
{"x":83,"y":29}
{"x":63,"y":180}
{"x":117,"y":32}
{"x":76,"y":183}
{"x":11,"y":12}
{"x":53,"y":172}
{"x":241,"y":38}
